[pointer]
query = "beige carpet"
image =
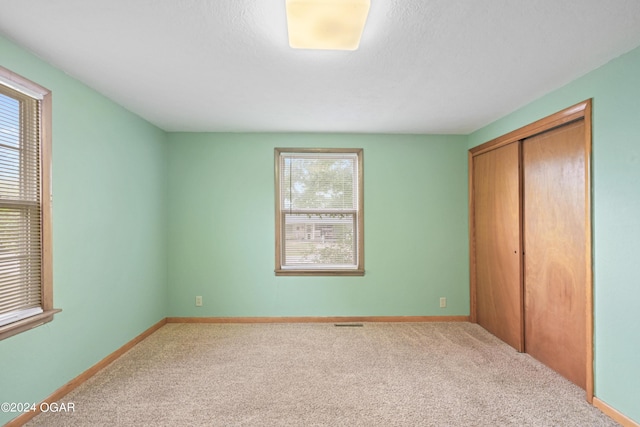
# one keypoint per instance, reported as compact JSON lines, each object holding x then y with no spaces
{"x":381,"y":374}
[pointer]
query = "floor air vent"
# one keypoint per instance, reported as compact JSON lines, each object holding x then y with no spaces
{"x":349,"y":325}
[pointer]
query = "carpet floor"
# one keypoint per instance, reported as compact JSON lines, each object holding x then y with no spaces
{"x":380,"y":374}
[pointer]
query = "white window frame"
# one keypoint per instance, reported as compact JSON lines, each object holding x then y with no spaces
{"x":321,"y":270}
{"x":20,"y":320}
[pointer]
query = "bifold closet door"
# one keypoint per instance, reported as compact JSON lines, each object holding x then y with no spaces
{"x":554,"y":249}
{"x":496,"y":198}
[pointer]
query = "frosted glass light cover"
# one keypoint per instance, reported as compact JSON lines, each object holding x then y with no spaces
{"x":326,"y":24}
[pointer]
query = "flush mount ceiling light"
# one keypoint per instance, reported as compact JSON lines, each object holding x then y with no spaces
{"x":326,"y":24}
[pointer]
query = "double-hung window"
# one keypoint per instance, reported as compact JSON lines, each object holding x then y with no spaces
{"x":319,"y":212}
{"x":25,"y":203}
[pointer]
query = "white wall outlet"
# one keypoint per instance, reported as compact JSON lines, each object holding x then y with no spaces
{"x":443,"y":302}
{"x":198,"y":301}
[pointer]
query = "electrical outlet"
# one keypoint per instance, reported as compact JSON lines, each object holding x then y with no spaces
{"x":198,"y":301}
{"x":443,"y":302}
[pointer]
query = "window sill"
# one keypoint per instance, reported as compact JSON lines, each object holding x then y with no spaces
{"x":319,"y":272}
{"x":14,"y":328}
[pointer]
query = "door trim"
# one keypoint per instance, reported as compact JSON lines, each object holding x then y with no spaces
{"x":579,"y":111}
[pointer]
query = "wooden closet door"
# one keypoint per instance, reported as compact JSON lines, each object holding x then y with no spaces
{"x":554,"y":249}
{"x":496,"y":189}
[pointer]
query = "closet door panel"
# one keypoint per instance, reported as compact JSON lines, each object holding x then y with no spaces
{"x":554,"y":248}
{"x":496,"y":181}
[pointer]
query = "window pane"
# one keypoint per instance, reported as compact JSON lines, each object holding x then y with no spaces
{"x":326,"y":239}
{"x":9,"y":121}
{"x":20,"y":262}
{"x":322,"y":182}
{"x":19,"y":149}
{"x":9,"y":172}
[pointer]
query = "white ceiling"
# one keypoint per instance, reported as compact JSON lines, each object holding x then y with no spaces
{"x":424,"y":66}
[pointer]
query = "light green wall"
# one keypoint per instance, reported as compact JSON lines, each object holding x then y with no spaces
{"x":221,"y":222}
{"x":109,"y":239}
{"x":615,"y":89}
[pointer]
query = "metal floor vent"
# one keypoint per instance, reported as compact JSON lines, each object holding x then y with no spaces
{"x":350,"y":325}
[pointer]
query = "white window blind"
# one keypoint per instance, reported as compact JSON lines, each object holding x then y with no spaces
{"x":319,"y":210}
{"x":20,"y":206}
